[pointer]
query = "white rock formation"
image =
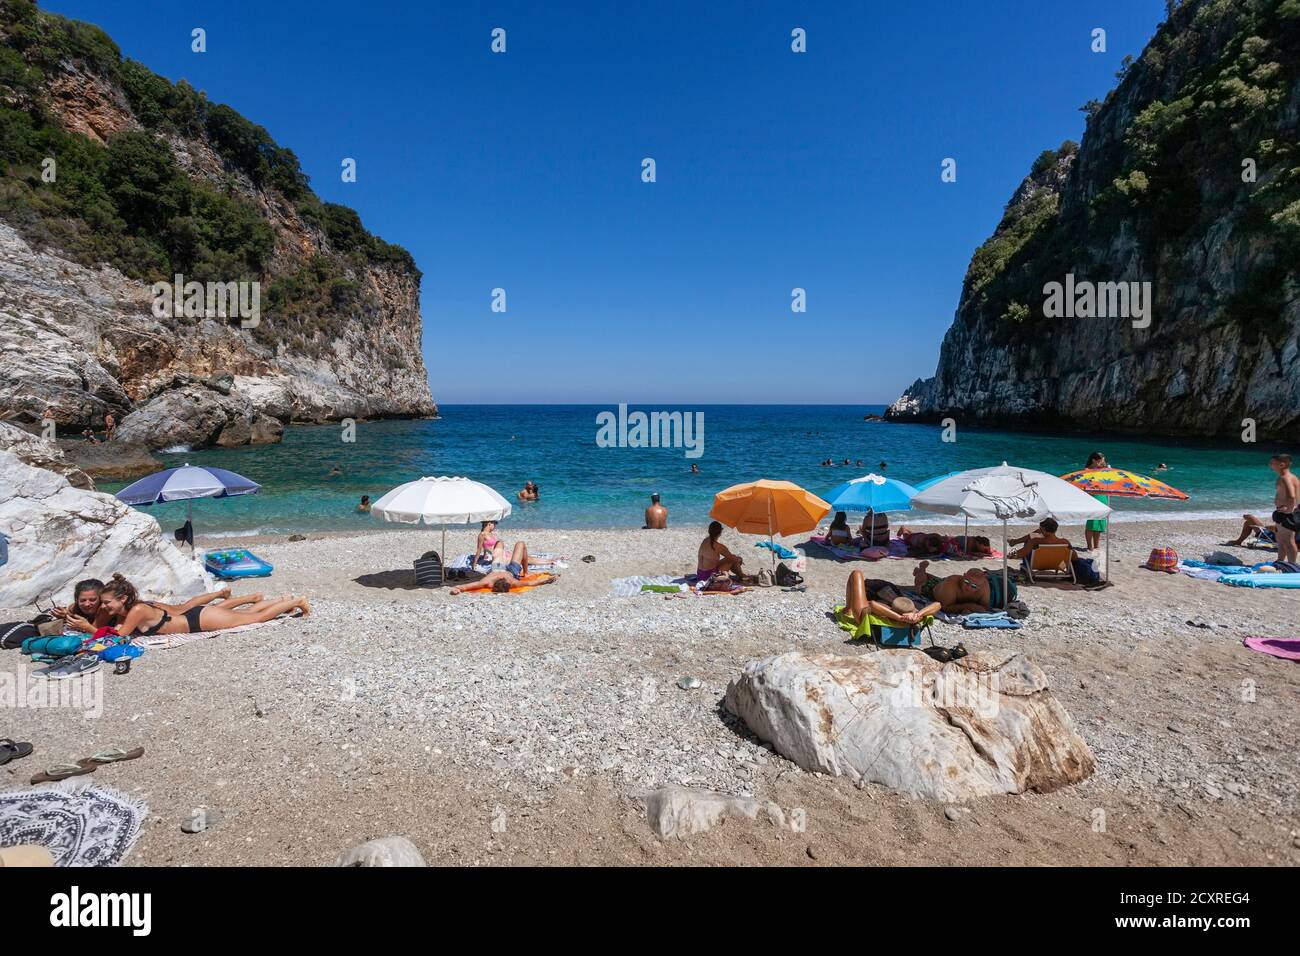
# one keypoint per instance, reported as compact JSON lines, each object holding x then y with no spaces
{"x":387,"y":851}
{"x":59,"y":535}
{"x":986,"y":724}
{"x":681,"y":811}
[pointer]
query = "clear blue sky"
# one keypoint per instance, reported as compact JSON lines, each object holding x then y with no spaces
{"x":775,"y":170}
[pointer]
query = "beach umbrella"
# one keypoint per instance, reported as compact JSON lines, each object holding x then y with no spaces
{"x":441,"y":501}
{"x":1005,"y":492}
{"x":768,"y":507}
{"x":1122,"y":484}
{"x":871,"y":493}
{"x":185,"y":484}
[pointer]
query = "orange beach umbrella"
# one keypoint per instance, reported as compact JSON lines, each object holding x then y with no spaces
{"x":769,"y":507}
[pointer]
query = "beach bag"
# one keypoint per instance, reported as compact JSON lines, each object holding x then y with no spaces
{"x":787,"y":578}
{"x":428,"y":570}
{"x":1085,"y":571}
{"x":765,"y":578}
{"x":59,"y":646}
{"x":1162,"y":559}
{"x":12,"y":635}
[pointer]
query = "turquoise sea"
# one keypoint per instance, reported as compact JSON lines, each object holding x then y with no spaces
{"x":584,"y":485}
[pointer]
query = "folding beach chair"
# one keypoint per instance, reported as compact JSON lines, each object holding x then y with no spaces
{"x":1050,"y":562}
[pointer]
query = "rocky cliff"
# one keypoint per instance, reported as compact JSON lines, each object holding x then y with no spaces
{"x":1187,"y":177}
{"x":112,"y":179}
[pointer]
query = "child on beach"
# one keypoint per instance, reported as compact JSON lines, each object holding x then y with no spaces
{"x":1286,"y":502}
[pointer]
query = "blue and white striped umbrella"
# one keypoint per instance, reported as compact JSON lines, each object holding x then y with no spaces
{"x":186,"y":484}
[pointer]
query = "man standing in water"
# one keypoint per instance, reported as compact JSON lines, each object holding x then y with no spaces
{"x":1286,"y":502}
{"x":656,"y":516}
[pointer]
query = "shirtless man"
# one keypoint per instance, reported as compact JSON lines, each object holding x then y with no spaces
{"x":958,"y":593}
{"x":1046,"y":534}
{"x":714,"y":556}
{"x":656,"y":516}
{"x":1286,"y":503}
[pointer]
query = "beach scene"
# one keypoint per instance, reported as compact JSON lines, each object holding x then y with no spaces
{"x":738,"y":450}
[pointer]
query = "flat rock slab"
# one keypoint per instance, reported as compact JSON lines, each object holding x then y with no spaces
{"x":386,"y":851}
{"x":986,"y":724}
{"x":682,"y":811}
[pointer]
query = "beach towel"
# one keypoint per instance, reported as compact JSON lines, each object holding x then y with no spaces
{"x":80,"y":823}
{"x":862,"y":629}
{"x":544,"y":561}
{"x":781,"y":550}
{"x":847,"y":554}
{"x":634,"y":585}
{"x":529,"y":582}
{"x":989,"y":619}
{"x":1287,"y":648}
{"x":1261,"y":580}
{"x":168,"y":641}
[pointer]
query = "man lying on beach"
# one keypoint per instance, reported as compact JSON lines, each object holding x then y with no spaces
{"x":965,"y":593}
{"x":884,"y":600}
{"x":508,"y":574}
{"x":714,"y":557}
{"x":923,"y":544}
{"x":1254,"y":527}
{"x":1046,"y":534}
{"x":146,"y":618}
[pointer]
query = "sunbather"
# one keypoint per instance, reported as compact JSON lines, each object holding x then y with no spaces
{"x":1045,"y":534}
{"x":145,"y":618}
{"x":1253,"y":527}
{"x":714,"y":557}
{"x":839,"y":533}
{"x":88,"y":613}
{"x":963,"y":593}
{"x":874,"y":530}
{"x":922,"y":544}
{"x":884,"y":600}
{"x":508,"y":574}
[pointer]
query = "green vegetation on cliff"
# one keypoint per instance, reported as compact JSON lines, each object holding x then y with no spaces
{"x":129,"y":203}
{"x":1200,"y":132}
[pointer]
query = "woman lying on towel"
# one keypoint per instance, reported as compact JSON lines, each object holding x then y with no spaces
{"x":146,"y":618}
{"x":88,"y":613}
{"x":884,"y":600}
{"x":507,"y":574}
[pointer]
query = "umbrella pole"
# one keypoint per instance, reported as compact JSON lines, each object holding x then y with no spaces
{"x":1108,"y":548}
{"x":442,"y":555}
{"x":189,"y":519}
{"x":1005,"y":589}
{"x":965,"y":538}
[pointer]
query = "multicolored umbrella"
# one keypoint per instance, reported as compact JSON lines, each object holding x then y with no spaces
{"x":1122,"y":484}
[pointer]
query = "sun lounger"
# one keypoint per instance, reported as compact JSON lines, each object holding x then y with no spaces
{"x":1049,"y":562}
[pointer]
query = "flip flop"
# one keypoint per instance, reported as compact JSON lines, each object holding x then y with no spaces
{"x":13,"y":750}
{"x":111,"y":755}
{"x":62,"y":772}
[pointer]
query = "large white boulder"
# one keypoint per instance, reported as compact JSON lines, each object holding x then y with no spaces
{"x":59,"y":535}
{"x":985,"y":724}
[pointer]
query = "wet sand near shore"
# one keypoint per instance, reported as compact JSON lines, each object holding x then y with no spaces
{"x":522,"y":728}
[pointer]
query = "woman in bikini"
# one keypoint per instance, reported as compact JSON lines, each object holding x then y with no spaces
{"x":839,"y":533}
{"x":714,"y":557}
{"x":88,"y":613}
{"x":146,"y":618}
{"x":487,"y":543}
{"x":507,"y":574}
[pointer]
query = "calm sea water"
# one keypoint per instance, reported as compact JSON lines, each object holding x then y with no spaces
{"x":583,"y":485}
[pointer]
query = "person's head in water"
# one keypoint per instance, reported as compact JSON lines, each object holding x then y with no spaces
{"x":365,"y":501}
{"x":1049,"y":525}
{"x":1097,"y":460}
{"x":86,"y":597}
{"x":654,"y":498}
{"x":715,"y":530}
{"x":500,"y":586}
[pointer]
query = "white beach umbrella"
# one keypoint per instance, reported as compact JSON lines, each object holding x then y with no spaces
{"x":441,"y":501}
{"x":1005,"y":492}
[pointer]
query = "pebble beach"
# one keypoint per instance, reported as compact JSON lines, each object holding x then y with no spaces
{"x":527,"y":727}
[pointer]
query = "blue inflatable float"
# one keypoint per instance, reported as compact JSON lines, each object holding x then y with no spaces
{"x":234,"y":563}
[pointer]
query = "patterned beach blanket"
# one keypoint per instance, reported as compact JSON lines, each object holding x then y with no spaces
{"x":168,"y":641}
{"x":540,"y":562}
{"x":632,"y":586}
{"x":80,"y":823}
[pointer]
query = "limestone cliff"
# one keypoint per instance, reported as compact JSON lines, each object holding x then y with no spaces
{"x":150,"y":179}
{"x":1187,"y":177}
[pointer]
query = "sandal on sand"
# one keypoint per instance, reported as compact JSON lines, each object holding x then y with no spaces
{"x":13,"y":750}
{"x":62,"y":772}
{"x":111,"y":755}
